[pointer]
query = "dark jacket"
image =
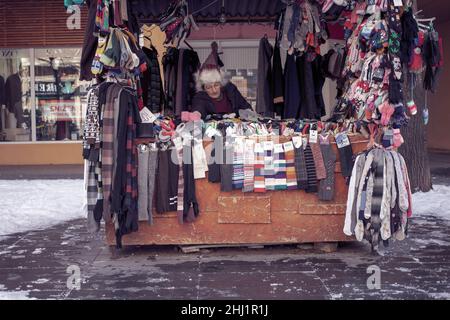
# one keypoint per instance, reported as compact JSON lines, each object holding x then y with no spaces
{"x":264,"y":98}
{"x":203,"y":103}
{"x":152,"y":92}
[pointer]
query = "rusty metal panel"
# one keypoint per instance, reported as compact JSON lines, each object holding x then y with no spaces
{"x":239,"y":209}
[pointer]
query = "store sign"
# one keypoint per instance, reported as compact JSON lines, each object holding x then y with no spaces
{"x":49,"y":89}
{"x":45,"y":89}
{"x":58,"y":110}
{"x":8,"y":54}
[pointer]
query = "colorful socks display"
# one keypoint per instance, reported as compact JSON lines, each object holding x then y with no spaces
{"x":259,"y":185}
{"x":249,"y":163}
{"x":269,"y":168}
{"x":291,"y":179}
{"x":279,"y":162}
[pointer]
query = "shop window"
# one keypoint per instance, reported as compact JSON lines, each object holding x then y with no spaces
{"x":60,"y":96}
{"x":15,"y":95}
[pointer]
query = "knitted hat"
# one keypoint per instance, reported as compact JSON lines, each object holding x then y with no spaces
{"x":210,"y":71}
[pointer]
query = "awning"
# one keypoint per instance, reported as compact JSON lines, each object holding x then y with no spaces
{"x":147,"y":11}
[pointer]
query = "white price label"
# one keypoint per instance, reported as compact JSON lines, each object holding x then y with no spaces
{"x":288,"y":146}
{"x":147,"y":116}
{"x":298,"y":141}
{"x":342,"y":140}
{"x":313,"y":134}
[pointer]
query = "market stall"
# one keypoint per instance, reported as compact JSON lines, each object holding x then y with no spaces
{"x":284,"y":175}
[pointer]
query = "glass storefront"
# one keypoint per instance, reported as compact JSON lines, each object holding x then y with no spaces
{"x":15,"y":95}
{"x":60,"y":96}
{"x":41,"y":96}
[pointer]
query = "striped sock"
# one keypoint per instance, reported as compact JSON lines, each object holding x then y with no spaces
{"x":279,"y":161}
{"x":249,"y":162}
{"x":260,"y":185}
{"x":291,"y":177}
{"x":269,"y":168}
{"x":238,"y":164}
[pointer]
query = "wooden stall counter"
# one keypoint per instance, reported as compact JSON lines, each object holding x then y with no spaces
{"x":274,"y":217}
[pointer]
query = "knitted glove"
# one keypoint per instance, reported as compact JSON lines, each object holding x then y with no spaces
{"x":397,"y":139}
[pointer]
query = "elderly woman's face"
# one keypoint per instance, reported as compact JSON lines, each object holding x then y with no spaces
{"x":213,"y":89}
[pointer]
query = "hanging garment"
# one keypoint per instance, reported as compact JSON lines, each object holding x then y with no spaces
{"x":260,"y":185}
{"x":291,"y":178}
{"x":124,"y":192}
{"x":170,"y":64}
{"x":308,"y":91}
{"x":238,"y":163}
{"x":379,"y":187}
{"x":326,"y":186}
{"x":166,"y":182}
{"x":147,"y":165}
{"x":293,"y":101}
{"x":264,"y":98}
{"x":277,"y":82}
{"x":216,"y":159}
{"x":345,"y":154}
{"x":249,"y":170}
{"x":226,"y":168}
{"x":310,"y":170}
{"x":89,"y":43}
{"x":190,"y":204}
{"x":152,"y":90}
{"x":107,"y":145}
{"x":319,"y":164}
{"x":279,"y":161}
{"x":300,"y":168}
{"x":269,"y":168}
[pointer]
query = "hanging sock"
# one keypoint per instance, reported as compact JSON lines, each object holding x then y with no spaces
{"x":260,"y":185}
{"x":279,"y":161}
{"x":249,"y":171}
{"x":291,"y":178}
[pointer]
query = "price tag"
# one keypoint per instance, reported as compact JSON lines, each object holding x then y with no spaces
{"x":268,"y":145}
{"x":278,"y":148}
{"x":313,"y":134}
{"x":298,"y":141}
{"x":147,"y":116}
{"x":288,"y":146}
{"x":398,"y":3}
{"x":258,"y":148}
{"x":210,"y":132}
{"x":342,"y":140}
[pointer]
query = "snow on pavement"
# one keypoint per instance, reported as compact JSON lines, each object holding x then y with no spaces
{"x":38,"y":204}
{"x":433,"y":203}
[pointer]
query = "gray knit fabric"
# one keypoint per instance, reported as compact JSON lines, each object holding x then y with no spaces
{"x":143,"y":183}
{"x":326,"y":186}
{"x":148,"y":162}
{"x":300,"y":168}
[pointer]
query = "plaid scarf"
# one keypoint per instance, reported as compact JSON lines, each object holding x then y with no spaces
{"x":107,"y":148}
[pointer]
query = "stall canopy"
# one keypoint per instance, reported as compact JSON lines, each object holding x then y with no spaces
{"x":205,"y":11}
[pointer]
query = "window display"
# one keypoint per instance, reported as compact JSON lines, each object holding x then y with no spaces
{"x":60,"y":96}
{"x":15,"y":104}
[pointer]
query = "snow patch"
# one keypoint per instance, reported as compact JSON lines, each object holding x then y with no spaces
{"x":15,"y":295}
{"x":433,"y":203}
{"x":38,"y":251}
{"x":440,"y":295}
{"x":39,"y":204}
{"x":41,"y":281}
